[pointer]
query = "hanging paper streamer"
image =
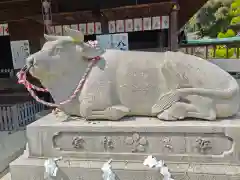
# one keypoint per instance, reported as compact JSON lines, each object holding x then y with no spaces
{"x":1,"y":30}
{"x":108,"y":173}
{"x":156,"y":22}
{"x":165,"y":22}
{"x":120,"y":26}
{"x":90,"y":28}
{"x":152,"y":162}
{"x":128,"y":25}
{"x":138,"y":24}
{"x":51,"y":167}
{"x":5,"y":29}
{"x":112,"y":26}
{"x":98,"y":28}
{"x":83,"y":28}
{"x":147,"y":25}
{"x":58,"y":30}
{"x":64,"y":29}
{"x":74,"y":26}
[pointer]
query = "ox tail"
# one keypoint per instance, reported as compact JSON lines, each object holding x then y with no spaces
{"x":231,"y":92}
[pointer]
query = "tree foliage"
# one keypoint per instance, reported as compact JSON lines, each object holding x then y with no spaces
{"x":214,"y":20}
{"x":214,"y":17}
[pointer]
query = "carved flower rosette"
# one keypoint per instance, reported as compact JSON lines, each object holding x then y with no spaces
{"x":138,"y":143}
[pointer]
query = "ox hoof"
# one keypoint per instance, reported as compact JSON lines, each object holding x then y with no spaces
{"x":165,"y":115}
{"x":112,"y":113}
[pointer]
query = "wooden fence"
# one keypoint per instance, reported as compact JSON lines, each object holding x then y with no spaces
{"x":17,"y":116}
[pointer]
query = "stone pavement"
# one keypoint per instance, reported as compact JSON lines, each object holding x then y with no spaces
{"x":11,"y":147}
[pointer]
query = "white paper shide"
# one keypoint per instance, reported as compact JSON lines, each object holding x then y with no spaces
{"x":152,"y":162}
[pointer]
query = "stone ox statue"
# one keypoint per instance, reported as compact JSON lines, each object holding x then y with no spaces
{"x":167,"y":85}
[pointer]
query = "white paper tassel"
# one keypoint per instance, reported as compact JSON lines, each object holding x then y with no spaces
{"x":108,"y":173}
{"x":51,"y":167}
{"x":152,"y":162}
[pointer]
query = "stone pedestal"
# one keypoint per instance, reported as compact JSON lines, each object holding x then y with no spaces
{"x":191,"y":149}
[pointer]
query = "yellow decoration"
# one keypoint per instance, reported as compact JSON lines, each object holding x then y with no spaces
{"x":175,"y":7}
{"x":76,"y":40}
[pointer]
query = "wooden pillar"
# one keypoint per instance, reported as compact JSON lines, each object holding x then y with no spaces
{"x":104,"y":23}
{"x":173,"y":30}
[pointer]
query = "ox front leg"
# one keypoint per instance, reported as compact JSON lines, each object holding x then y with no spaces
{"x":113,"y":113}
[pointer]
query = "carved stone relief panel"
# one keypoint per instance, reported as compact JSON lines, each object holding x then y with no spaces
{"x":147,"y":143}
{"x":208,"y":145}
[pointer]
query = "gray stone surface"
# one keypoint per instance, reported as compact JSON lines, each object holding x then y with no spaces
{"x":11,"y":147}
{"x":134,"y":138}
{"x":200,"y":150}
{"x":75,"y":169}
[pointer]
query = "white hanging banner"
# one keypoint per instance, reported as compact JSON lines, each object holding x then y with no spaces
{"x":90,"y":28}
{"x":120,"y":26}
{"x":165,"y":22}
{"x":51,"y":29}
{"x":98,"y":28}
{"x":156,"y":22}
{"x":120,"y":41}
{"x":138,"y":26}
{"x":20,"y":51}
{"x":64,"y":28}
{"x":74,"y":26}
{"x":147,"y":25}
{"x":129,"y":25}
{"x":1,"y":30}
{"x":112,"y":26}
{"x":5,"y":30}
{"x":83,"y":28}
{"x":58,"y":30}
{"x":105,"y":41}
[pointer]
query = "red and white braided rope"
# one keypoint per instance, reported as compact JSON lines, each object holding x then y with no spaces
{"x":22,"y":79}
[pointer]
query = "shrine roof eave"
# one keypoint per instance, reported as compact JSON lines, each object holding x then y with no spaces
{"x":31,"y":9}
{"x":139,"y":11}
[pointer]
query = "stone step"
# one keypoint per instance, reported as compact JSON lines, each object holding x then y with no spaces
{"x":135,"y":138}
{"x":72,"y":169}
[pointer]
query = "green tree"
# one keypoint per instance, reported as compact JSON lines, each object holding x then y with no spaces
{"x":211,"y":19}
{"x":234,"y":16}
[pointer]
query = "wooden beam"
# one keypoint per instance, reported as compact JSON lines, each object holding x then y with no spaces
{"x":18,"y":13}
{"x":156,"y":9}
{"x":13,"y":1}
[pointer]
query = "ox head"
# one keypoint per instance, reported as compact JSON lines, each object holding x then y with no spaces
{"x":60,"y":53}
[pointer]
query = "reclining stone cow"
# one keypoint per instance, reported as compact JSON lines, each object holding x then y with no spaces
{"x":167,"y":85}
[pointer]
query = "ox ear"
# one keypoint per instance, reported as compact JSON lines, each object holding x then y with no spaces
{"x":91,"y":52}
{"x":76,"y":35}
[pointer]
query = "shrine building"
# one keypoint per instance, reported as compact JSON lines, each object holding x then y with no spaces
{"x":151,"y":25}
